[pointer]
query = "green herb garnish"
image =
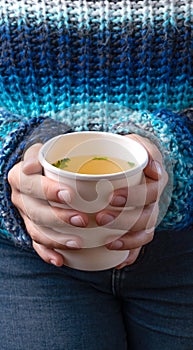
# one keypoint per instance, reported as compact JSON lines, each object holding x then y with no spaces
{"x":131,"y":164}
{"x":100,"y":158}
{"x":62,"y":163}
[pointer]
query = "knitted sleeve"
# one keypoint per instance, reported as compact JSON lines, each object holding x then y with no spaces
{"x":176,"y":144}
{"x":17,"y":134}
{"x":171,"y":132}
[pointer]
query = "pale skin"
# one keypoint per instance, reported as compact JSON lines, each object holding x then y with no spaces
{"x":31,"y":193}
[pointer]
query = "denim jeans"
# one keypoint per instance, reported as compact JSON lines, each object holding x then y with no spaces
{"x":146,"y":306}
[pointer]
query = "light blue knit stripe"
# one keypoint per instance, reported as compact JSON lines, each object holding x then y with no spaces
{"x":8,"y":122}
{"x":101,"y":12}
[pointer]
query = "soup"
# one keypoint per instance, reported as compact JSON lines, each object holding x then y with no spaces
{"x":94,"y":165}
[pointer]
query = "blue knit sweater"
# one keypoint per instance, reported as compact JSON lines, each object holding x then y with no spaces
{"x":120,"y":66}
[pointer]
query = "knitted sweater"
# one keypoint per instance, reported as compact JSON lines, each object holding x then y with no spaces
{"x":110,"y":65}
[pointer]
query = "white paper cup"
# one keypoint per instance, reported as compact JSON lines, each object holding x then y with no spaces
{"x":92,"y":193}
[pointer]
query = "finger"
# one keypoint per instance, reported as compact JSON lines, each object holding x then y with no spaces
{"x":39,"y":186}
{"x":48,"y":255}
{"x":139,"y":195}
{"x":132,"y":240}
{"x":50,"y":238}
{"x":154,"y":168}
{"x":155,"y":171}
{"x":31,"y":163}
{"x":153,"y":151}
{"x":132,"y":257}
{"x":136,"y":220}
{"x":41,"y":213}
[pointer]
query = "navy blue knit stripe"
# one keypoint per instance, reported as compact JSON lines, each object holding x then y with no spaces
{"x":45,"y":68}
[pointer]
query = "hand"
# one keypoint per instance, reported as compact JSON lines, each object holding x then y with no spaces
{"x":30,"y":194}
{"x":139,"y":223}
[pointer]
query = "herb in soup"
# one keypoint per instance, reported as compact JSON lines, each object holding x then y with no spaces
{"x":94,"y":165}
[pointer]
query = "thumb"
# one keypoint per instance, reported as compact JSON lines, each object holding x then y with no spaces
{"x":153,"y":170}
{"x":31,"y":164}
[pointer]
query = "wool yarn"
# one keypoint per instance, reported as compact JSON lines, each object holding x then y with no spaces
{"x":135,"y":53}
{"x":121,"y":66}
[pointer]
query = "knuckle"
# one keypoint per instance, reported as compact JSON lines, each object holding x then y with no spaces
{"x":14,"y":198}
{"x":165,"y":178}
{"x":153,"y":208}
{"x":34,"y":235}
{"x":11,"y":177}
{"x":149,"y":236}
{"x":46,"y":190}
{"x":60,"y":217}
{"x":38,"y":248}
{"x":154,"y":212}
{"x":33,"y":215}
{"x":32,"y":229}
{"x":27,"y":187}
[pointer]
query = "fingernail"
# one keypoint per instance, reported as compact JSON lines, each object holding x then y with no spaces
{"x":121,"y":266}
{"x":77,"y":220}
{"x":106,"y":219}
{"x":149,"y":230}
{"x":116,"y":245}
{"x":72,"y":244}
{"x":118,"y":201}
{"x":156,"y":167}
{"x":64,"y":196}
{"x":53,"y":262}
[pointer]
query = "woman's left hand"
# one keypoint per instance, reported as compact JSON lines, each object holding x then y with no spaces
{"x":139,"y":223}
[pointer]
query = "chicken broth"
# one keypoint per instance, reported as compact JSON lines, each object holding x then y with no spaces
{"x":94,"y":165}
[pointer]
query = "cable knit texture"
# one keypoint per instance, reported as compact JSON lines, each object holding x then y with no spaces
{"x":120,"y":66}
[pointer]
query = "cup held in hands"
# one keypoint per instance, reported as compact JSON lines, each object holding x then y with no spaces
{"x":93,"y":192}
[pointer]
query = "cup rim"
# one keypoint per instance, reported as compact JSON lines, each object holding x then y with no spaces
{"x":91,"y":177}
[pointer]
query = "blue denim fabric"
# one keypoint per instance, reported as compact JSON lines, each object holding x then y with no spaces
{"x":148,"y":305}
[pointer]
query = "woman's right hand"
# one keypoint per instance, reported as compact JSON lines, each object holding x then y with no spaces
{"x":31,"y":193}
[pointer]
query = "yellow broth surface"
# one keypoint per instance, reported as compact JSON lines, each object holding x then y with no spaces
{"x":94,"y":165}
